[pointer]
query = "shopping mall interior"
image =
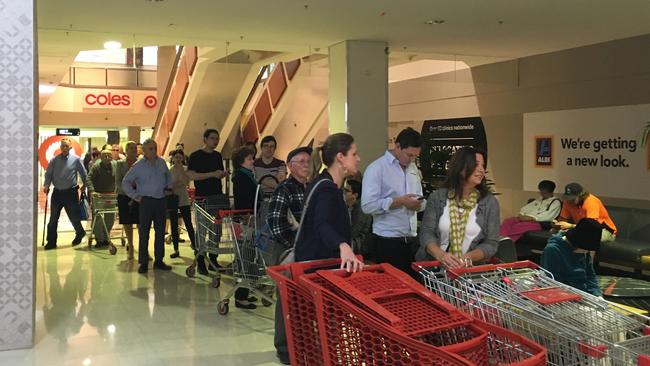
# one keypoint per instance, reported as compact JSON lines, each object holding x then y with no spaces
{"x":552,"y":90}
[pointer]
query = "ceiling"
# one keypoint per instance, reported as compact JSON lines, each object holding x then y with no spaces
{"x":497,"y":29}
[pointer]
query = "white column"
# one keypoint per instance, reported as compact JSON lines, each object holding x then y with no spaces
{"x":17,"y":173}
{"x":358,"y":95}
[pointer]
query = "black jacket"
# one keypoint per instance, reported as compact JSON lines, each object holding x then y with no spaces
{"x":243,"y":188}
{"x":326,"y":222}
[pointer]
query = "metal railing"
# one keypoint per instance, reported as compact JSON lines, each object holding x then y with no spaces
{"x":112,"y":77}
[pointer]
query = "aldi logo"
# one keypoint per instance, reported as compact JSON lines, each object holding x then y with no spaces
{"x":543,"y":151}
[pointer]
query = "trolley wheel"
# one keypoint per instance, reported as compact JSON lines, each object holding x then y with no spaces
{"x":190,"y":271}
{"x":216,"y":281}
{"x":222,"y":307}
{"x":266,"y":302}
{"x":112,"y":249}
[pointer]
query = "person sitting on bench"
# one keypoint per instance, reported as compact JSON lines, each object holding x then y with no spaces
{"x":534,"y":216}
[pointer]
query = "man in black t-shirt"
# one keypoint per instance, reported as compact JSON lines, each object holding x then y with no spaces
{"x":205,"y":168}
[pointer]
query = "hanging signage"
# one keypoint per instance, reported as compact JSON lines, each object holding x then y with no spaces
{"x":68,"y":132}
{"x":441,"y":138}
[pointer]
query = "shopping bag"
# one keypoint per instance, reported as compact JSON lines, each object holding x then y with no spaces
{"x":84,"y":207}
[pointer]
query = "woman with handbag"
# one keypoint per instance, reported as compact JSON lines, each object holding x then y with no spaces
{"x":179,"y":200}
{"x":325,"y":230}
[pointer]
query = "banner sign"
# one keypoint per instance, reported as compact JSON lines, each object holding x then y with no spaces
{"x":600,"y":148}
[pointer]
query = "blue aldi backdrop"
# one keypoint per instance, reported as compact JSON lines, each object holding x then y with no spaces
{"x":441,"y":138}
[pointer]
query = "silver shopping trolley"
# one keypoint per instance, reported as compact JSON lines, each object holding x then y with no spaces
{"x":577,"y":328}
{"x":103,"y":204}
{"x":209,"y":235}
{"x":249,"y":266}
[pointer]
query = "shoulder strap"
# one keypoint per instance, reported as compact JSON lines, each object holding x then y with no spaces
{"x":551,"y":203}
{"x":304,"y":210}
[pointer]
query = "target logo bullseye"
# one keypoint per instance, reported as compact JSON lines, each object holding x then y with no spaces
{"x":150,"y":101}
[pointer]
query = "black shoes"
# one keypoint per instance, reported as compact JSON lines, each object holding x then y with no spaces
{"x":49,"y":246}
{"x":244,"y":304}
{"x":252,"y":299}
{"x":161,"y":266}
{"x":143,"y":268}
{"x":283,"y":358}
{"x":77,"y":239}
{"x":202,"y":270}
{"x":175,"y":255}
{"x":102,"y":244}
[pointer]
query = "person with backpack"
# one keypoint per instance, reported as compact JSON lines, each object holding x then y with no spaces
{"x":534,"y":216}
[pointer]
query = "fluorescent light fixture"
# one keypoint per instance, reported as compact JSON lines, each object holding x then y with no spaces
{"x":46,"y":89}
{"x":112,"y":45}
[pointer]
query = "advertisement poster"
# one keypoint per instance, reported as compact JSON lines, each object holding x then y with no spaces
{"x":600,"y":148}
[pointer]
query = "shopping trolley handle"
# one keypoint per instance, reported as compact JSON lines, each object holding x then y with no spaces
{"x":457,"y":272}
{"x":417,"y":266}
{"x":224,"y":213}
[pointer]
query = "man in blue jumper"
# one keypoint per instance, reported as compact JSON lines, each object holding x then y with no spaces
{"x":567,"y":256}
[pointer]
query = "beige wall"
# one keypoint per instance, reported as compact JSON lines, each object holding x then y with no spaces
{"x":608,"y":74}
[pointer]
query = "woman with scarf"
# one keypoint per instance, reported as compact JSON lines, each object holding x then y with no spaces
{"x":244,"y":187}
{"x":461,"y":221}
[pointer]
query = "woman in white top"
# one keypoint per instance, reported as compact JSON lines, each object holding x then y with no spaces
{"x":534,"y":215}
{"x":179,"y":200}
{"x":461,"y":221}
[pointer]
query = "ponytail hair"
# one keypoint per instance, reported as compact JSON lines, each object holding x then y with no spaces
{"x":326,"y":154}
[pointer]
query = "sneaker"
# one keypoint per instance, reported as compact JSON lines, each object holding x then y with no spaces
{"x":77,"y":239}
{"x":283,"y":358}
{"x":143,"y":268}
{"x":245,"y":305}
{"x":252,"y":299}
{"x":175,"y":255}
{"x":49,"y":246}
{"x":161,"y":266}
{"x":181,"y":240}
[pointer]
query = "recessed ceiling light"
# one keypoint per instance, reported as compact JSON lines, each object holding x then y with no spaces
{"x":434,"y":21}
{"x":112,"y":45}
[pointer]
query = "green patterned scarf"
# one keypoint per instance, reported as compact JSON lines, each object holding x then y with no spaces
{"x":459,"y":215}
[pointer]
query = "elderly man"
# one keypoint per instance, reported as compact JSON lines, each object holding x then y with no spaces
{"x":148,"y":183}
{"x":285,"y":210}
{"x":101,"y":180}
{"x":64,"y":171}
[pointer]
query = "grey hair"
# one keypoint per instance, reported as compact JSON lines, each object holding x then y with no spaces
{"x":149,"y":141}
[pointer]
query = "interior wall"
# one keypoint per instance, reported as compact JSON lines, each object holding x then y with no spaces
{"x":608,"y":74}
{"x":17,"y":174}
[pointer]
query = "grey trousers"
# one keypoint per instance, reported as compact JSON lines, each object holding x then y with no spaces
{"x":152,"y":210}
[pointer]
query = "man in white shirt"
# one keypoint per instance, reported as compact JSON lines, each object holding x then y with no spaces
{"x":392,"y":194}
{"x":534,"y":215}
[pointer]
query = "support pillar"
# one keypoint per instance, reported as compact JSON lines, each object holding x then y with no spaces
{"x":358,"y":95}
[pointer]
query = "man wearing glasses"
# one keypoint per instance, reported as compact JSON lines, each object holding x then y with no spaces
{"x":269,"y":171}
{"x":205,"y":168}
{"x":285,"y":209}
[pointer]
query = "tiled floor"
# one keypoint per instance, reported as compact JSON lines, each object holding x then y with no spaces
{"x":93,"y":308}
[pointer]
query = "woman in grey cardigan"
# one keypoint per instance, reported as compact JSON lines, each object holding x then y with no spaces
{"x":461,"y":220}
